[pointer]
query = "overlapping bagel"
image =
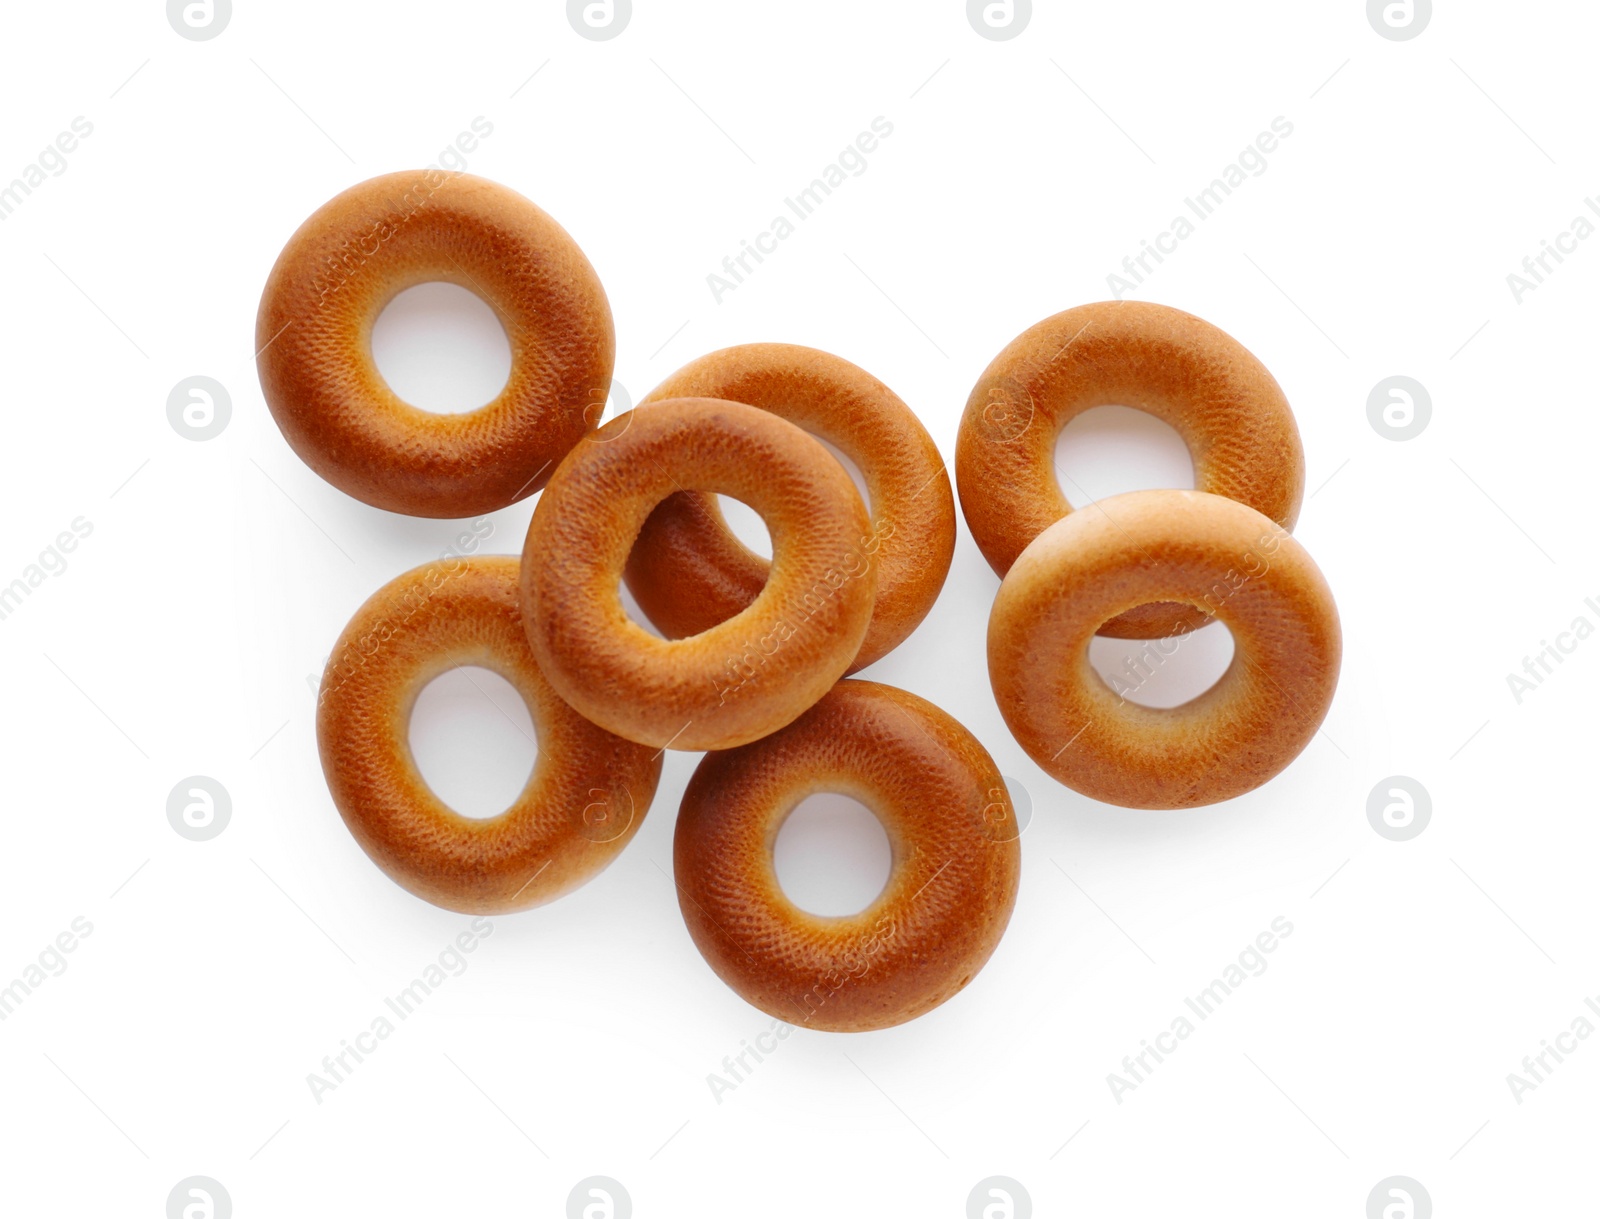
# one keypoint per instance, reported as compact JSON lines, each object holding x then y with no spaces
{"x":755,"y":652}
{"x":1227,"y":407}
{"x":1230,"y":564}
{"x":688,"y":572}
{"x":742,"y":678}
{"x":953,"y":881}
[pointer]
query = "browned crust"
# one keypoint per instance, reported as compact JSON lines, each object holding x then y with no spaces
{"x":349,"y":260}
{"x":1223,"y":402}
{"x":950,"y":892}
{"x":1187,"y":546}
{"x":589,"y":790}
{"x":742,"y":678}
{"x":688,"y":572}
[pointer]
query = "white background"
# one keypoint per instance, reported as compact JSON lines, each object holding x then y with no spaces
{"x":180,"y":636}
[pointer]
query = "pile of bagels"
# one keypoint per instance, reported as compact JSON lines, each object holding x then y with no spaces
{"x":750,"y":659}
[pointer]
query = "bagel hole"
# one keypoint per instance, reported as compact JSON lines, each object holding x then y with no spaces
{"x":1108,"y":450}
{"x":746,"y":525}
{"x":473,"y":741}
{"x":441,"y":349}
{"x":832,"y":855}
{"x":850,"y":468}
{"x":1166,"y":672}
{"x":637,"y":616}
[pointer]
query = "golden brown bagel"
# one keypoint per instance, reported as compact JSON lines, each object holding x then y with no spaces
{"x":354,"y":255}
{"x":1220,"y":556}
{"x":951,"y":888}
{"x":742,"y":678}
{"x":688,"y":571}
{"x":1217,"y":396}
{"x":584,"y":801}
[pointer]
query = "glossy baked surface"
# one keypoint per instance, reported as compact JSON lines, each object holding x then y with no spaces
{"x":1206,"y":551}
{"x":1219,"y":398}
{"x":353,"y":256}
{"x":587,"y":795}
{"x":747,"y":676}
{"x":688,"y":571}
{"x":952,"y":884}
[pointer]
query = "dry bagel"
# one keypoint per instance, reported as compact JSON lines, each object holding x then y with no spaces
{"x":952,"y":886}
{"x":354,"y":255}
{"x":1215,"y":554}
{"x":688,"y":572}
{"x":587,"y":795}
{"x":1230,"y":412}
{"x":747,"y":676}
